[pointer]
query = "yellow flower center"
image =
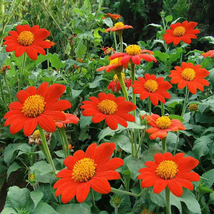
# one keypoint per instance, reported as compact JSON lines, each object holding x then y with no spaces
{"x":36,"y":134}
{"x":116,"y":78}
{"x":188,"y":74}
{"x":107,"y":107}
{"x":116,"y":61}
{"x":118,"y":25}
{"x":167,"y":169}
{"x":25,"y":38}
{"x":84,"y":170}
{"x":163,"y":122}
{"x":179,"y":31}
{"x":133,"y":50}
{"x":151,"y":86}
{"x":193,"y":107}
{"x":33,"y":106}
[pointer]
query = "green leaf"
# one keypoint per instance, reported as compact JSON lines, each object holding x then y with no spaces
{"x":86,"y":7}
{"x":80,"y":49}
{"x":161,"y":56}
{"x":75,"y":208}
{"x":3,"y":57}
{"x":122,"y":141}
{"x":96,"y":82}
{"x":8,"y":210}
{"x":75,"y":93}
{"x":168,"y":18}
{"x":3,"y":168}
{"x":44,"y":208}
{"x":12,"y":168}
{"x":177,"y":117}
{"x":36,"y":197}
{"x":85,"y":121}
{"x":55,"y":61}
{"x":207,"y":179}
{"x":201,"y":146}
{"x":96,"y":32}
{"x":158,"y":199}
{"x":108,"y":22}
{"x":78,"y":11}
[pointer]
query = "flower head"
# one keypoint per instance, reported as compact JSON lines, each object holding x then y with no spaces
{"x":36,"y":138}
{"x":112,"y":110}
{"x":115,"y":82}
{"x":108,"y":50}
{"x":190,"y":76}
{"x":162,"y":125}
{"x":181,"y":32}
{"x":37,"y":106}
{"x":134,"y":54}
{"x":166,"y":170}
{"x":85,"y":170}
{"x":114,"y":65}
{"x":50,"y":42}
{"x":4,"y":68}
{"x":70,"y":118}
{"x":118,"y":27}
{"x":208,"y":53}
{"x":193,"y":107}
{"x":27,"y":39}
{"x":112,"y":16}
{"x":152,"y":87}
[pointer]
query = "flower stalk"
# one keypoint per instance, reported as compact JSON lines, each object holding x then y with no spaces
{"x":119,"y":76}
{"x":168,"y":206}
{"x":22,"y":71}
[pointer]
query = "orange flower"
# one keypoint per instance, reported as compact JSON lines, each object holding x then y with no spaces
{"x":70,"y":118}
{"x":134,"y":54}
{"x":37,"y":106}
{"x":152,"y":87}
{"x":115,"y":81}
{"x":50,"y":42}
{"x":162,"y":125}
{"x":108,"y":50}
{"x":107,"y":107}
{"x":119,"y":26}
{"x":208,"y":53}
{"x":113,"y":65}
{"x":29,"y":40}
{"x":181,"y":32}
{"x":190,"y":76}
{"x":166,"y":170}
{"x":112,"y":16}
{"x":86,"y":170}
{"x":80,"y":60}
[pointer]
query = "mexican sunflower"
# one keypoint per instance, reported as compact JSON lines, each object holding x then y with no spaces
{"x":115,"y":82}
{"x":181,"y":32}
{"x":112,"y":16}
{"x":134,"y":54}
{"x":118,"y":27}
{"x":27,"y":39}
{"x":174,"y":172}
{"x":208,"y":53}
{"x":70,"y":118}
{"x":37,"y":107}
{"x":190,"y":76}
{"x":86,"y":170}
{"x":162,"y":125}
{"x":114,"y":65}
{"x":153,"y":87}
{"x":107,"y":107}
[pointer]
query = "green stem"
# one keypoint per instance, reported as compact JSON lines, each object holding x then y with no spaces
{"x":48,"y":61}
{"x":65,"y":140}
{"x":150,"y":106}
{"x":92,"y":197}
{"x":121,"y":42}
{"x":124,"y":192}
{"x":176,"y":144}
{"x":115,"y":41}
{"x":162,"y":109}
{"x":116,"y":210}
{"x":46,"y":150}
{"x":8,"y":89}
{"x":168,"y":206}
{"x":164,"y":144}
{"x":3,"y":99}
{"x":22,"y":71}
{"x":119,"y":76}
{"x":185,"y":102}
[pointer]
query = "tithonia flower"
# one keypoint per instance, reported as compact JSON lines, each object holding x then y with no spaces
{"x":37,"y":106}
{"x":134,"y":54}
{"x":162,"y":125}
{"x":112,"y":16}
{"x":4,"y":68}
{"x":181,"y":32}
{"x":152,"y":87}
{"x":107,"y":107}
{"x":36,"y":138}
{"x":190,"y":76}
{"x":118,"y":27}
{"x":27,"y":39}
{"x":168,"y":171}
{"x":114,"y":64}
{"x":86,"y":170}
{"x":50,"y":42}
{"x":70,"y":118}
{"x":115,"y":82}
{"x":208,"y":53}
{"x":108,"y":50}
{"x":193,"y":107}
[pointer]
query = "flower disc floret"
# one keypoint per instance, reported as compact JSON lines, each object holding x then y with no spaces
{"x":115,"y":79}
{"x":188,"y":74}
{"x":163,"y":122}
{"x":33,"y":106}
{"x":84,"y":170}
{"x":107,"y":107}
{"x":133,"y":50}
{"x":36,"y":134}
{"x":167,"y":169}
{"x":179,"y":31}
{"x":118,"y":25}
{"x":151,"y":86}
{"x":25,"y":38}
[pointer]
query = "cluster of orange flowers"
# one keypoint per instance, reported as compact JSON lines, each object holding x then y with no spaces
{"x":93,"y":168}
